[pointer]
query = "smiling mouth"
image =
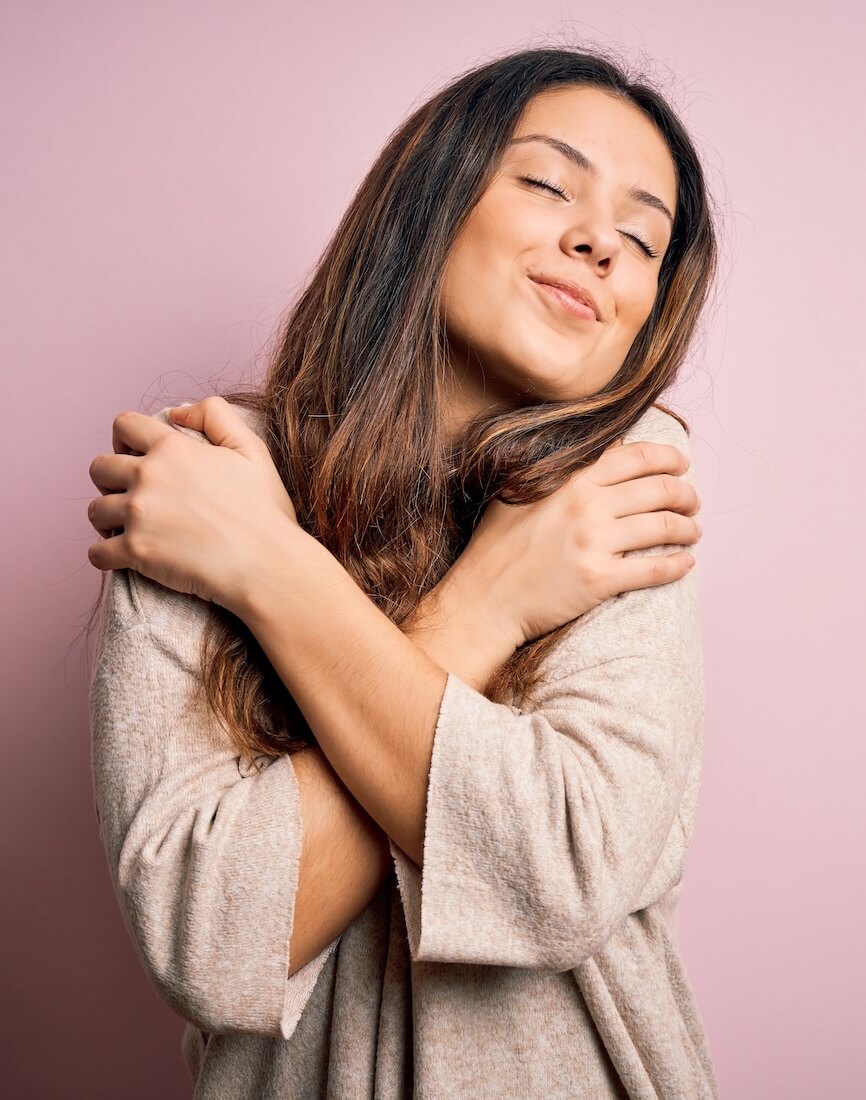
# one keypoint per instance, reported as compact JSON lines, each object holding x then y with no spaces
{"x":565,"y":302}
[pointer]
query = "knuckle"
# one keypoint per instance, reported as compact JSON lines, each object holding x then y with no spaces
{"x":670,"y":526}
{"x":644,"y":450}
{"x":135,"y":548}
{"x":668,"y":484}
{"x":171,"y":441}
{"x":574,"y":497}
{"x":583,"y":541}
{"x":567,"y":506}
{"x":135,"y":507}
{"x":591,"y":573}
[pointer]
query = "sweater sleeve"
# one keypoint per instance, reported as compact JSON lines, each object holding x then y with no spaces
{"x":546,"y":829}
{"x":203,"y":850}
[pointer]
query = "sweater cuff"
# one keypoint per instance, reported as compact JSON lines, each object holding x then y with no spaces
{"x":433,"y":915}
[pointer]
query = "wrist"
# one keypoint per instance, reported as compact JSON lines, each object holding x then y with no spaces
{"x":292,"y":564}
{"x":458,"y":626}
{"x":469,"y":597}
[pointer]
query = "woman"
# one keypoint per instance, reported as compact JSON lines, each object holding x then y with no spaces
{"x":423,"y":606}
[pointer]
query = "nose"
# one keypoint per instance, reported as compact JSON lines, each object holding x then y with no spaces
{"x":595,"y":237}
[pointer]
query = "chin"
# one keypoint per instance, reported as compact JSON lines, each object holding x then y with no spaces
{"x":532,"y":390}
{"x":549,"y":385}
{"x":532,"y":374}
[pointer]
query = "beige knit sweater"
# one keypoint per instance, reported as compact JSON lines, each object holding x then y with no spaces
{"x":536,"y":953}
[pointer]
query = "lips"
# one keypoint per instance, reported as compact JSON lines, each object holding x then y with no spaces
{"x":571,"y":290}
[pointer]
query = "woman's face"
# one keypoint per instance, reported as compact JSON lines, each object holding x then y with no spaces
{"x":513,"y":342}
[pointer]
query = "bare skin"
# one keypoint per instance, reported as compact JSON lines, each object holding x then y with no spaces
{"x":510,"y":343}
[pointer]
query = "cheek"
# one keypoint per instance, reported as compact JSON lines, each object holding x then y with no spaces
{"x":637,"y":304}
{"x":493,"y":239}
{"x":475,"y":283}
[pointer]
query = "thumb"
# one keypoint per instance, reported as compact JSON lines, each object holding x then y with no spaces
{"x":216,"y":419}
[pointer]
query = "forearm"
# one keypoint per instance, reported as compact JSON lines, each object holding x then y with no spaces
{"x":453,"y":626}
{"x":345,"y":856}
{"x":369,"y":692}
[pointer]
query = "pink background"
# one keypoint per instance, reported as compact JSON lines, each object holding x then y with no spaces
{"x":171,"y":173}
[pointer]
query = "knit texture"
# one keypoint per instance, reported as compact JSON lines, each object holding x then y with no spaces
{"x":535,"y":955}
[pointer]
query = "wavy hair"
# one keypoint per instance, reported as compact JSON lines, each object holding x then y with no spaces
{"x":351,"y":400}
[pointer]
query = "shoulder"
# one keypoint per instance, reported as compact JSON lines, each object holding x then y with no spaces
{"x":655,"y":623}
{"x":658,"y":425}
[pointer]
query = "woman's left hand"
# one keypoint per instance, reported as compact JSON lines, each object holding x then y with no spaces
{"x":192,"y":517}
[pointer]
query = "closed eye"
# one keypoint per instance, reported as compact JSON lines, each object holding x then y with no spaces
{"x":548,"y":185}
{"x":641,"y":243}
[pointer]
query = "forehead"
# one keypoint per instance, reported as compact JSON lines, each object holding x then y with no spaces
{"x":618,"y":137}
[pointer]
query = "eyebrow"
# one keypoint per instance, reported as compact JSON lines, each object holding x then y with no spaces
{"x":583,"y":161}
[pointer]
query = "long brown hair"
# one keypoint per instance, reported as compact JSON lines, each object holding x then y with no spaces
{"x":352,"y":398}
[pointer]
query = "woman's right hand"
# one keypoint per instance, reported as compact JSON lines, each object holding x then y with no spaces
{"x":547,"y":563}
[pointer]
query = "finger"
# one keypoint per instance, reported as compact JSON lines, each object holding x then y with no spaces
{"x":654,"y":529}
{"x":651,"y":494}
{"x":108,"y":513}
{"x":638,"y":459}
{"x":111,"y":473}
{"x":135,"y":433}
{"x":649,"y":571}
{"x":111,"y":553}
{"x":217,"y":419}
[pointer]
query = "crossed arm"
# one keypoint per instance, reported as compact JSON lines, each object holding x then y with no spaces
{"x":345,"y":856}
{"x":208,"y":867}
